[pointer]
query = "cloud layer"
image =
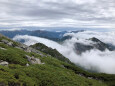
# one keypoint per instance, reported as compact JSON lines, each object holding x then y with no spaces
{"x":75,"y":13}
{"x":92,"y":60}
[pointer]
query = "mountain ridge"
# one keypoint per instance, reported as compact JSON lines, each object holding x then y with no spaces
{"x":52,"y":35}
{"x":97,"y":45}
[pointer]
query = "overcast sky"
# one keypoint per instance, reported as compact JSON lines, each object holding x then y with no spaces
{"x":58,"y":13}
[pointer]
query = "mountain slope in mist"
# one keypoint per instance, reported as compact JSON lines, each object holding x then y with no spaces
{"x":53,"y":52}
{"x":98,"y":55}
{"x":27,"y":66}
{"x":96,"y":44}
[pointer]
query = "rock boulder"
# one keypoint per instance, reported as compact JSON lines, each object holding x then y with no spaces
{"x":33,"y":60}
{"x":4,"y":63}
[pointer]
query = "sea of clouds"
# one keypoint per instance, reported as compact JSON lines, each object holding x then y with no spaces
{"x":94,"y":60}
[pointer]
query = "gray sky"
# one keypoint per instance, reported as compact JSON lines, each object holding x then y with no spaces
{"x":58,"y":13}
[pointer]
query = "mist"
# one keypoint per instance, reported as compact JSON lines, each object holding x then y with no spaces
{"x":94,"y":59}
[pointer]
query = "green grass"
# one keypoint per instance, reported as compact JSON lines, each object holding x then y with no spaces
{"x":53,"y":73}
{"x":13,"y":55}
{"x":44,"y":75}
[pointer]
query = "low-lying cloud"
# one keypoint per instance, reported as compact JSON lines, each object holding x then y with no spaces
{"x":91,"y":60}
{"x":106,"y":37}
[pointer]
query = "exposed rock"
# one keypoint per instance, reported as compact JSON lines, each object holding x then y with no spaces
{"x":27,"y":65}
{"x":43,"y":63}
{"x":5,"y":41}
{"x":80,"y":74}
{"x":29,"y":49}
{"x":2,"y":48}
{"x":4,"y":63}
{"x":22,"y":46}
{"x":9,"y":43}
{"x":33,"y":60}
{"x":18,"y":47}
{"x":90,"y":77}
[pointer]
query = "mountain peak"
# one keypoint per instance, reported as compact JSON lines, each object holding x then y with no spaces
{"x":95,"y":39}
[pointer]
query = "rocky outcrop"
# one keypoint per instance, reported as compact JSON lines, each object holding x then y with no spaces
{"x":2,"y":48}
{"x":33,"y":60}
{"x":20,"y":46}
{"x":4,"y":63}
{"x":5,"y":41}
{"x":9,"y":43}
{"x":28,"y":49}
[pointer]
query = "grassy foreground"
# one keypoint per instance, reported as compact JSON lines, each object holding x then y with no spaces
{"x":52,"y":73}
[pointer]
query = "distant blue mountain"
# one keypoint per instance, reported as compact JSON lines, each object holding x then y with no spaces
{"x":48,"y":34}
{"x":11,"y":34}
{"x":52,"y":35}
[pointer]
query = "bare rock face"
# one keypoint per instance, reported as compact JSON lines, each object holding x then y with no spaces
{"x":2,"y":48}
{"x":4,"y":63}
{"x":29,"y":49}
{"x":9,"y":43}
{"x":33,"y":60}
{"x":5,"y":41}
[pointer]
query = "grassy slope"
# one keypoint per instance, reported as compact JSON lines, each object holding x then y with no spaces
{"x":53,"y":52}
{"x":107,"y":78}
{"x":52,"y":73}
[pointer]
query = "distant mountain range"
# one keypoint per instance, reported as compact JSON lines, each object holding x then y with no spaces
{"x":58,"y":36}
{"x":52,"y":35}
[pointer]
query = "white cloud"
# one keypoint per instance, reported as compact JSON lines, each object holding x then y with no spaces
{"x":92,"y":60}
{"x":11,"y":29}
{"x":106,"y":37}
{"x":70,"y":13}
{"x":84,"y":1}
